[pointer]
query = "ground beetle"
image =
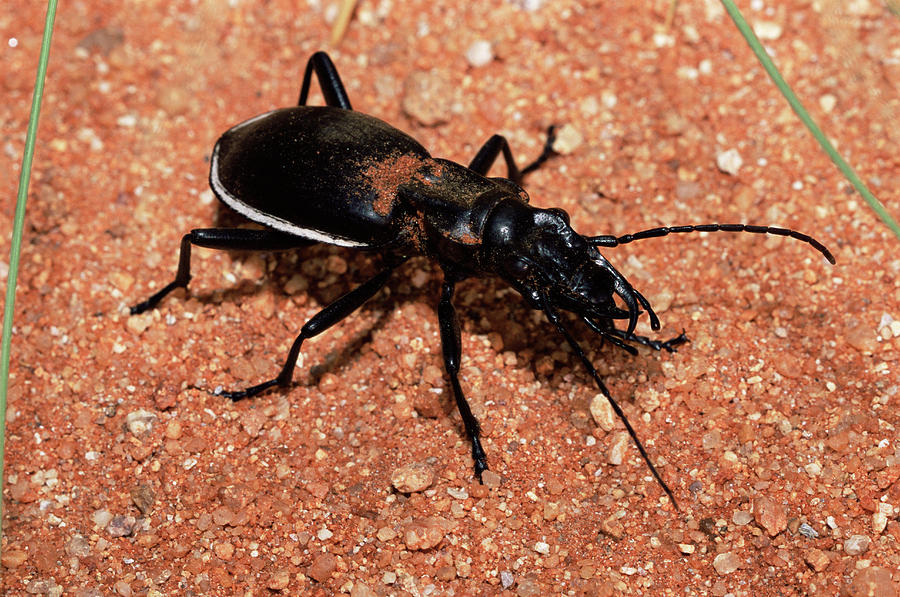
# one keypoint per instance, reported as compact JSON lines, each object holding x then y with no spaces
{"x":328,"y":174}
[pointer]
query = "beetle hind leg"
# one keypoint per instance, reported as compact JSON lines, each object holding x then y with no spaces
{"x":240,"y":239}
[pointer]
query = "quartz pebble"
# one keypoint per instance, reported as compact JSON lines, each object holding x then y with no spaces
{"x":726,"y":563}
{"x":424,"y":533}
{"x":770,"y":515}
{"x":856,"y":545}
{"x":322,"y":567}
{"x":412,"y":477}
{"x":480,"y":53}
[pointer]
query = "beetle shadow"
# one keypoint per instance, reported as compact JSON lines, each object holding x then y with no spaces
{"x":484,"y":306}
{"x":310,"y":260}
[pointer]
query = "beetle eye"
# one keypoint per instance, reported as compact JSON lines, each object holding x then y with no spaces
{"x":519,"y":267}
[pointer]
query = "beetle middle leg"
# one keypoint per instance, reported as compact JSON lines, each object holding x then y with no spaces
{"x":321,"y":321}
{"x":451,"y":345}
{"x":238,"y":239}
{"x":329,"y":82}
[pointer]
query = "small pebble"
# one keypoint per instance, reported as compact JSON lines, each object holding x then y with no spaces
{"x":224,"y":551}
{"x":279,"y":580}
{"x":424,"y":533}
{"x":507,"y":579}
{"x":101,"y":518}
{"x":13,"y":558}
{"x":611,"y":527}
{"x":856,"y":545}
{"x":322,"y":567}
{"x":741,"y":517}
{"x":726,"y":563}
{"x":361,"y":589}
{"x":78,"y":547}
{"x":412,"y":477}
{"x":879,"y":522}
{"x":542,"y":548}
{"x":729,"y":161}
{"x":568,"y":139}
{"x":861,"y":337}
{"x":480,"y":53}
{"x":768,"y":30}
{"x":458,"y":493}
{"x":807,"y":531}
{"x":385,"y":534}
{"x":490,"y":479}
{"x":817,"y":559}
{"x":770,"y":515}
{"x":121,"y":526}
{"x":143,"y":497}
{"x":617,"y":450}
{"x":140,"y":422}
{"x":602,"y":412}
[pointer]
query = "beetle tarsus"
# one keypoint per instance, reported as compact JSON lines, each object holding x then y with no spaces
{"x":667,"y":345}
{"x":249,"y":392}
{"x":480,"y":463}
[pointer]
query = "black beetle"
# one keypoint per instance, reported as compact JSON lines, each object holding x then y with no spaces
{"x":328,"y":174}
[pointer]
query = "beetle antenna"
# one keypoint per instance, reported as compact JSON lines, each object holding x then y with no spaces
{"x":614,"y":241}
{"x":553,"y":316}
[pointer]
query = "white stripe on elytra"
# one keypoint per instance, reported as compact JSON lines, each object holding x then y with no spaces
{"x":264,"y":218}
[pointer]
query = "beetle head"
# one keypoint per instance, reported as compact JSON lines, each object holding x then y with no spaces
{"x":541,"y":256}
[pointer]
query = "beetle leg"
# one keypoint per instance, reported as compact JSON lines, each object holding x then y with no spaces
{"x":668,"y":345}
{"x":219,"y":238}
{"x":489,"y":152}
{"x":452,"y":349}
{"x":321,"y":321}
{"x":329,"y":82}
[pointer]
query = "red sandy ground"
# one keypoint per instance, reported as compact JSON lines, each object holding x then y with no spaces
{"x":776,"y":426}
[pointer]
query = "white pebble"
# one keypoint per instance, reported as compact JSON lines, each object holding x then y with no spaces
{"x":729,"y":161}
{"x":768,"y":30}
{"x":480,"y":53}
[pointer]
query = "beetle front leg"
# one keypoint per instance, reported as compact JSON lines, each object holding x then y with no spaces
{"x":321,"y":321}
{"x":239,"y":239}
{"x":452,"y":351}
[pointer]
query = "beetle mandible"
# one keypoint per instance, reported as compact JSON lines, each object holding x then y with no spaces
{"x":329,"y":174}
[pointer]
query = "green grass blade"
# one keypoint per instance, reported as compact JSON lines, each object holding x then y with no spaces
{"x":18,"y":226}
{"x":798,"y":108}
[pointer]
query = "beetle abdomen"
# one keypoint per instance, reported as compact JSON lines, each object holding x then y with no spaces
{"x":308,"y":171}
